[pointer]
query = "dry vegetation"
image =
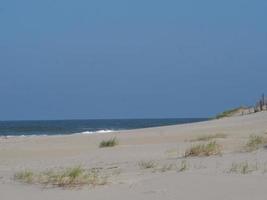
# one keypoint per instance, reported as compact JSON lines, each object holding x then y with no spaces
{"x":209,"y":137}
{"x":255,"y":142}
{"x":179,"y":167}
{"x":183,"y":166}
{"x":243,"y":168}
{"x":147,"y":164}
{"x":25,"y":176}
{"x":109,"y":143}
{"x":211,"y":148}
{"x":229,"y":113}
{"x":70,"y":177}
{"x":167,"y":167}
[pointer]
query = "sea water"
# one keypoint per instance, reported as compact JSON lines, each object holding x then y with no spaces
{"x":66,"y":127}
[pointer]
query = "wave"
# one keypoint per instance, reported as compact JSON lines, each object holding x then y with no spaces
{"x":43,"y":135}
{"x":20,"y":136}
{"x":94,"y":132}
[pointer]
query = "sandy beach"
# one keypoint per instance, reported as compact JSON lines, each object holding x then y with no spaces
{"x":133,"y":100}
{"x":146,"y":164}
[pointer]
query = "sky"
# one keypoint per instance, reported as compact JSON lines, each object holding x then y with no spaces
{"x":62,"y":59}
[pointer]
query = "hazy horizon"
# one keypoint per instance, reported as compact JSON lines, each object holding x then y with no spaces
{"x":121,"y":59}
{"x":84,"y":119}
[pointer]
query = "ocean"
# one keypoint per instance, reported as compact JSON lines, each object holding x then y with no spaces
{"x":66,"y":127}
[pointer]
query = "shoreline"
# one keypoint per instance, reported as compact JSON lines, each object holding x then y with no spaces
{"x":135,"y":130}
{"x":103,"y":130}
{"x":71,"y":134}
{"x":145,"y":162}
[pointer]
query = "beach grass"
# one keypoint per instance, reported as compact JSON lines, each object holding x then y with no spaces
{"x":66,"y":178}
{"x":209,"y":137}
{"x":147,"y":164}
{"x":228,"y":113}
{"x":208,"y":149}
{"x":255,"y":142}
{"x":167,"y":167}
{"x":25,"y":176}
{"x":183,"y":166}
{"x":243,"y":167}
{"x":109,"y":143}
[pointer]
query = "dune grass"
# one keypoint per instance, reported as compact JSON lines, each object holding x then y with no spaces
{"x":147,"y":164}
{"x":179,"y":167}
{"x":109,"y":143}
{"x":209,"y":137}
{"x":25,"y":176}
{"x":228,"y":113}
{"x":211,"y":148}
{"x":255,"y":142}
{"x":243,"y":168}
{"x":183,"y":166}
{"x":166,"y":168}
{"x":69,"y":177}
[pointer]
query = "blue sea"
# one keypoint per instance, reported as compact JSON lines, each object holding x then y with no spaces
{"x":66,"y":127}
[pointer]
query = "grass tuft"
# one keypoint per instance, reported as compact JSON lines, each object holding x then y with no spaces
{"x":209,"y":137}
{"x":166,"y":167}
{"x":255,"y":142}
{"x":183,"y":166}
{"x":229,"y":113}
{"x":109,"y":143}
{"x":25,"y":176}
{"x":147,"y":164}
{"x":66,"y":178}
{"x":243,"y":168}
{"x":211,"y":148}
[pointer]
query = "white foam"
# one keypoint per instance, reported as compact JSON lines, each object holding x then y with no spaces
{"x":93,"y":132}
{"x":44,"y":135}
{"x":21,"y":136}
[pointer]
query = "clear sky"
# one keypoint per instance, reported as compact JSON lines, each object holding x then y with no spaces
{"x":65,"y":59}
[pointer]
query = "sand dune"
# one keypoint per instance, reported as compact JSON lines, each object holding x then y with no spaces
{"x":213,"y":177}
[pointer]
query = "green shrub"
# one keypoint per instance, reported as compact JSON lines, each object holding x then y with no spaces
{"x":109,"y":143}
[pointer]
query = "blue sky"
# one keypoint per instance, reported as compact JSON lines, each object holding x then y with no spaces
{"x":62,"y":59}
